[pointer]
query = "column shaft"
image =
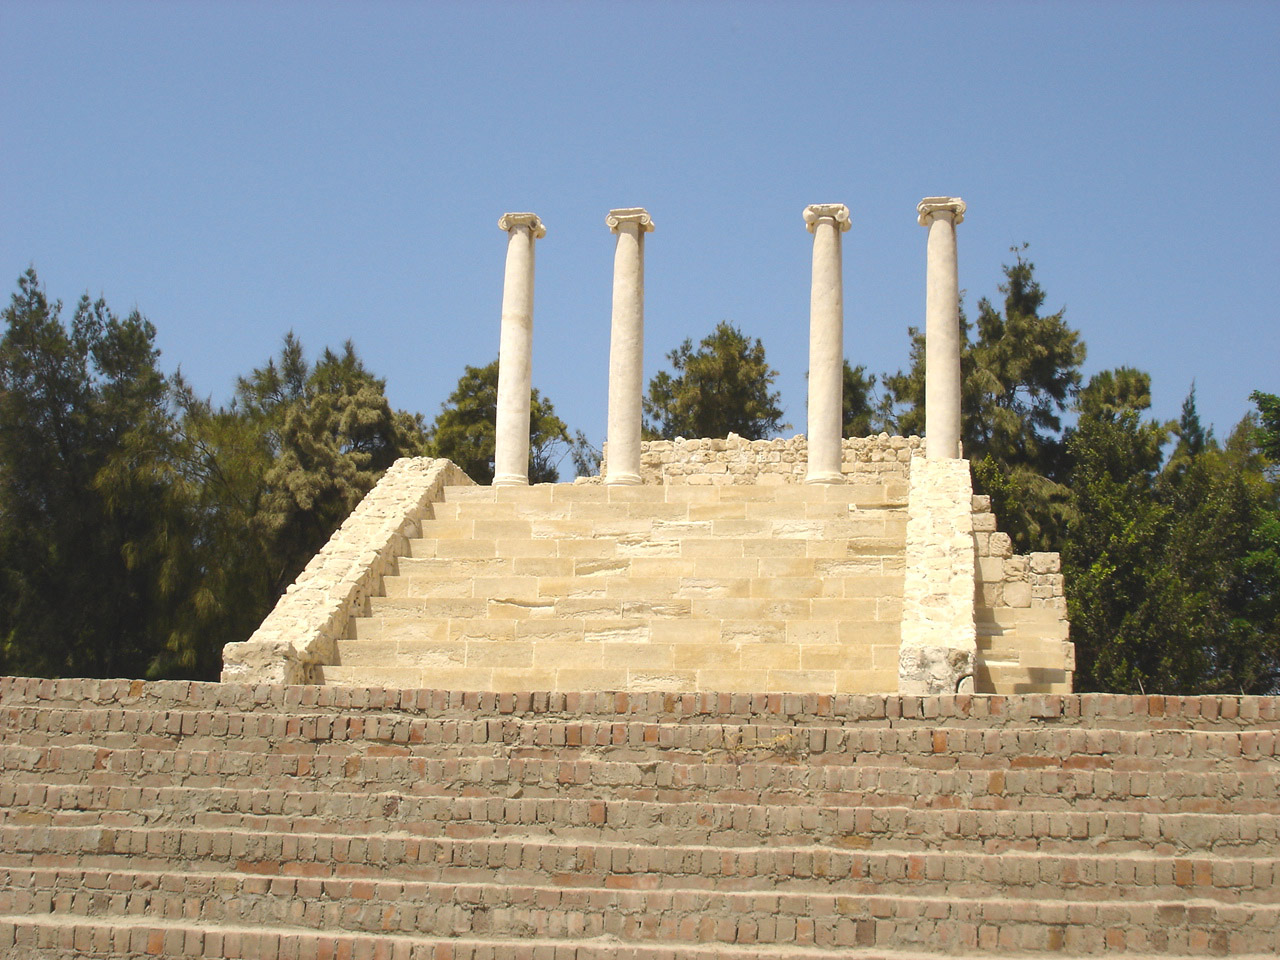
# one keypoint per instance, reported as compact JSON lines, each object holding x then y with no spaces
{"x":515,"y":353}
{"x":942,"y":328}
{"x":826,"y":343}
{"x":626,"y":346}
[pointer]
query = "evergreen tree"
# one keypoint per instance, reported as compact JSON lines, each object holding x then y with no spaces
{"x":1173,"y":570}
{"x":91,"y":534}
{"x":1116,"y":583}
{"x":722,"y":387}
{"x":857,"y":399}
{"x":464,"y":432}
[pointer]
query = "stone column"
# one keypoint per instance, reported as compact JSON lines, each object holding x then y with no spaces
{"x":515,"y":352}
{"x":626,"y":344}
{"x":942,"y":328}
{"x":826,"y":221}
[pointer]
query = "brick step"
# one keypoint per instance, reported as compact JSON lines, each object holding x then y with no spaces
{"x":689,"y":822}
{"x":70,"y":937}
{"x":74,"y":938}
{"x":648,"y":865}
{"x":281,"y":706}
{"x":441,"y":738}
{"x":197,"y":731}
{"x":508,"y":911}
{"x":771,"y":783}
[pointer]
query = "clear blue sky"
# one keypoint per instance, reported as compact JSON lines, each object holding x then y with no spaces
{"x":237,"y":170}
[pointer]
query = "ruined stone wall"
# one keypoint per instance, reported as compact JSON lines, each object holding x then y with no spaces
{"x":1020,"y":613}
{"x":739,"y":461}
{"x":300,"y":632}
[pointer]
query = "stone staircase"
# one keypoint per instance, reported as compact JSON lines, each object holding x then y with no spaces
{"x":226,"y":820}
{"x":672,"y":587}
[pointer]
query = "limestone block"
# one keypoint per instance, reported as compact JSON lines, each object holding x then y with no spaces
{"x":1001,"y":545}
{"x":1015,"y":568}
{"x":1017,"y":594}
{"x":1045,"y":563}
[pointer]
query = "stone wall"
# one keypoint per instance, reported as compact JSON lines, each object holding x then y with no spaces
{"x":300,"y":632}
{"x":739,"y":461}
{"x":1021,"y":614}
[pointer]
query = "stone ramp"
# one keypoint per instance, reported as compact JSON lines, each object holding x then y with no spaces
{"x":672,"y":587}
{"x":220,"y":820}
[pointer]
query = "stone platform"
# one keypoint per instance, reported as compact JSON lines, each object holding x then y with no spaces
{"x":720,"y":571}
{"x":223,"y":820}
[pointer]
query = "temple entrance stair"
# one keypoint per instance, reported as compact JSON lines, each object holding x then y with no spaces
{"x":586,"y":586}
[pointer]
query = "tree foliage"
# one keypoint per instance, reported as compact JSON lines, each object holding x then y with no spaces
{"x":142,"y":528}
{"x":1172,"y":567}
{"x":85,"y":515}
{"x":722,"y":387}
{"x":858,"y":402}
{"x":464,"y":431}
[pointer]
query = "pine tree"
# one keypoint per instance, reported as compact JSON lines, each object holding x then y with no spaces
{"x":722,"y":387}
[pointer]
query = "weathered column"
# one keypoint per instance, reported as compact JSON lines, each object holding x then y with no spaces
{"x":515,"y":352}
{"x":626,"y":344}
{"x":826,"y":221}
{"x":942,"y":328}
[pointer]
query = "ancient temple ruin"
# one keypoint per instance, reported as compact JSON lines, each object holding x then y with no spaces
{"x":817,"y":564}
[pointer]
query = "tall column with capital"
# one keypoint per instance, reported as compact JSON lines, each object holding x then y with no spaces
{"x":626,"y":344}
{"x":942,"y":328}
{"x":826,"y":221}
{"x":515,"y":352}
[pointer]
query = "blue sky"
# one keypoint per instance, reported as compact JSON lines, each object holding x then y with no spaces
{"x":237,"y":170}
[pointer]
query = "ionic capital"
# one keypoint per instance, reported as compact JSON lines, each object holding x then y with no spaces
{"x":509,"y":221}
{"x":837,"y":212}
{"x":931,"y":207}
{"x":638,"y":215}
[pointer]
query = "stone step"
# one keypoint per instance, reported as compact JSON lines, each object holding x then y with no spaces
{"x":901,"y":828}
{"x":444,"y":568}
{"x":889,"y":491}
{"x":434,"y":909}
{"x":835,"y":525}
{"x":657,"y":579}
{"x":642,"y":545}
{"x":652,"y":865}
{"x":770,"y":779}
{"x":286,"y":709}
{"x":649,"y":604}
{"x":555,"y":655}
